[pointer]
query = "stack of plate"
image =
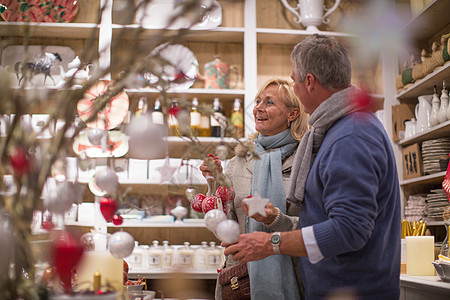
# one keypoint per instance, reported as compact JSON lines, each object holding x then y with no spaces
{"x":436,"y":201}
{"x":415,"y":207}
{"x":432,"y":150}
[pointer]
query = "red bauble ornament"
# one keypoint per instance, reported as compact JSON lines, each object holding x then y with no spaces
{"x":108,"y":207}
{"x":126,"y":268}
{"x":20,"y":161}
{"x":125,"y":278}
{"x":196,"y":204}
{"x":226,"y":194}
{"x":209,"y":203}
{"x":67,"y":253}
{"x":117,"y":220}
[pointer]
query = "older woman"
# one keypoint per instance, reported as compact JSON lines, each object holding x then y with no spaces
{"x":280,"y":122}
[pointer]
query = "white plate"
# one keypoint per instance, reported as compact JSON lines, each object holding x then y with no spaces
{"x":12,"y":55}
{"x":157,"y":14}
{"x":180,"y":59}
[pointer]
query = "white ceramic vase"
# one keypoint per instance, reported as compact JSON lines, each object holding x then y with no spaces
{"x":311,"y":13}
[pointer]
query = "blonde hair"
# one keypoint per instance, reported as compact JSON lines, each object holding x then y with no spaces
{"x":300,"y":125}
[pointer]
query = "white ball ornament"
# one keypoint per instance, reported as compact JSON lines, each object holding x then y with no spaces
{"x":145,"y":139}
{"x":228,"y":231}
{"x":190,"y":193}
{"x":121,"y":244}
{"x":96,"y":136}
{"x":106,"y":179}
{"x":213,"y":218}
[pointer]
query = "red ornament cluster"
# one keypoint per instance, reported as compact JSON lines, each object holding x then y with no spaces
{"x":203,"y":203}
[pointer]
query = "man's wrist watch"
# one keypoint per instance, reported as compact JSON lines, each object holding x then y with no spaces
{"x":276,"y":241}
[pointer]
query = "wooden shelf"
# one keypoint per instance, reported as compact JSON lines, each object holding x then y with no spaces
{"x":438,"y":131}
{"x":143,"y":224}
{"x":50,"y":30}
{"x":293,"y":36}
{"x":425,"y":85}
{"x":428,"y":21}
{"x":435,"y":178}
{"x":167,"y":274}
{"x":219,"y":34}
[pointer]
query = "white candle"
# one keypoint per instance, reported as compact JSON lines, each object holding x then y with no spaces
{"x":110,"y":268}
{"x":419,"y":255}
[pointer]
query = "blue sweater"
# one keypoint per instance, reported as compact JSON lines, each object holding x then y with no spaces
{"x":352,"y":199}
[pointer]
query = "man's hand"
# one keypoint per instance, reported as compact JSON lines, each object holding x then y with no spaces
{"x":271,"y":213}
{"x":250,"y":247}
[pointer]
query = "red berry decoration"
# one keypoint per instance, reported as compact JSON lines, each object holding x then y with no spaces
{"x":117,"y":220}
{"x":226,"y":194}
{"x":209,"y":203}
{"x":20,"y":161}
{"x":108,"y":207}
{"x":126,"y":268}
{"x":125,"y":278}
{"x":196,"y":204}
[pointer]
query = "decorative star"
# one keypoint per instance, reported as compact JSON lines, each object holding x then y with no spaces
{"x":166,"y":171}
{"x":256,"y":205}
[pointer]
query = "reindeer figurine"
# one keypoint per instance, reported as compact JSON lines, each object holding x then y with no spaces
{"x":41,"y":65}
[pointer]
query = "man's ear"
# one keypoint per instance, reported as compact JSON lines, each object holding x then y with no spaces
{"x":310,"y":82}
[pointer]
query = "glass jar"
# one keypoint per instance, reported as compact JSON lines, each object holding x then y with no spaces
{"x":155,"y":256}
{"x":168,"y":255}
{"x":200,"y":256}
{"x":185,"y":256}
{"x":214,"y":257}
{"x":136,"y":259}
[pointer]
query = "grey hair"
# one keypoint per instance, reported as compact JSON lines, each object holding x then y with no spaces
{"x":325,"y":58}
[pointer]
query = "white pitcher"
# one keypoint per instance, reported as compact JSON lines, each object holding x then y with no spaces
{"x":423,"y":113}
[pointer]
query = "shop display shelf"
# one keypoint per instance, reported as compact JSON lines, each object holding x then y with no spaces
{"x":435,"y":178}
{"x":49,"y":30}
{"x":438,"y":131}
{"x":167,"y":274}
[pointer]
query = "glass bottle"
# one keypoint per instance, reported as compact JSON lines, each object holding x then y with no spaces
{"x":434,"y":117}
{"x":213,"y":257}
{"x":442,"y":114}
{"x":205,"y":127}
{"x":185,"y":257}
{"x":237,"y":118}
{"x":155,"y":256}
{"x":142,"y":106}
{"x":168,"y":255}
{"x":217,"y":120}
{"x":195,"y":118}
{"x":200,"y":256}
{"x":157,"y":114}
{"x":173,"y":121}
{"x":136,"y":259}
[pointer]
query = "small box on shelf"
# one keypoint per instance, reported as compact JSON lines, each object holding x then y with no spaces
{"x":400,"y":114}
{"x":412,"y":161}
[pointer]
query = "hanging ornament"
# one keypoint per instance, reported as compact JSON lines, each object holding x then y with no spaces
{"x":226,"y":194}
{"x":196,"y":204}
{"x":256,"y":205}
{"x":145,"y":138}
{"x":211,"y":202}
{"x":228,"y":231}
{"x":20,"y":161}
{"x":117,"y":219}
{"x":59,"y":196}
{"x":222,"y":151}
{"x":213,"y":218}
{"x":190,"y":194}
{"x":107,"y":180}
{"x":108,"y":207}
{"x":97,"y":136}
{"x":67,"y":253}
{"x":121,"y":244}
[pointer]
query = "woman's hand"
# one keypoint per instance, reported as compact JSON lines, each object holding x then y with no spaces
{"x":205,"y":166}
{"x":271,"y":213}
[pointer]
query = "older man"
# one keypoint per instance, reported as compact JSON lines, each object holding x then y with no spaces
{"x":345,"y":179}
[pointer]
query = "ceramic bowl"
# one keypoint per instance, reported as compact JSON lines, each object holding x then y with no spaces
{"x":443,"y":270}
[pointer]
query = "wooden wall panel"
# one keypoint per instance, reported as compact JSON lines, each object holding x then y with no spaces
{"x":232,"y":13}
{"x":273,"y":61}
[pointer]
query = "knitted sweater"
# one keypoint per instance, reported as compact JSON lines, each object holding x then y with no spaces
{"x":352,"y":200}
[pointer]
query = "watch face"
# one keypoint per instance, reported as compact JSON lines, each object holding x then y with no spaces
{"x":275,"y":239}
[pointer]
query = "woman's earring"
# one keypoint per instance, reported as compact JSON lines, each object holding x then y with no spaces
{"x":289,"y":123}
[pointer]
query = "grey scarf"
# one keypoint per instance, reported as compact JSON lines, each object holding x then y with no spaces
{"x":329,"y":112}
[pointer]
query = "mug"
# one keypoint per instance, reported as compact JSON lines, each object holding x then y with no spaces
{"x":217,"y":74}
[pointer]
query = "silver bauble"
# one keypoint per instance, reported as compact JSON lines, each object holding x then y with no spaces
{"x":121,"y":244}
